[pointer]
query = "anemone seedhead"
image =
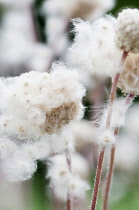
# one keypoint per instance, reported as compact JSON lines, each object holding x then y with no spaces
{"x":129,"y":79}
{"x":127,"y":32}
{"x":107,"y":138}
{"x":40,"y":103}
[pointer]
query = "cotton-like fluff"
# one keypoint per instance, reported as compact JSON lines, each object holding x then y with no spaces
{"x":63,"y":182}
{"x":7,"y":147}
{"x":127,"y":30}
{"x":58,"y":142}
{"x":78,"y":8}
{"x":37,"y":103}
{"x":48,"y":145}
{"x":129,"y":78}
{"x":94,"y":50}
{"x":18,"y":168}
{"x":119,"y":111}
{"x":106,"y":137}
{"x":38,"y":150}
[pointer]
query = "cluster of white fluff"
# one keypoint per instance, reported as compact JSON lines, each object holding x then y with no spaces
{"x":7,"y":147}
{"x":37,"y":103}
{"x":20,"y":157}
{"x":62,"y":181}
{"x":127,"y":31}
{"x":94,"y":50}
{"x":18,"y":168}
{"x":119,"y":111}
{"x":78,"y":8}
{"x":34,"y":110}
{"x":129,"y":78}
{"x":106,"y":137}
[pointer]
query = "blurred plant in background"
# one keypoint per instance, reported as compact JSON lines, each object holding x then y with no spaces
{"x":43,"y":136}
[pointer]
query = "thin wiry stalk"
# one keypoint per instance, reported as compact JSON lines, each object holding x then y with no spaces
{"x":128,"y":100}
{"x":108,"y":121}
{"x":97,"y":179}
{"x":68,"y":158}
{"x":102,"y":152}
{"x":110,"y":173}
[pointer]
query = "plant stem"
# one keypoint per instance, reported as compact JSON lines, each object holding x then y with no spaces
{"x":110,"y":173}
{"x":108,"y":121}
{"x":102,"y":152}
{"x":68,"y":158}
{"x":97,"y":179}
{"x":128,"y":100}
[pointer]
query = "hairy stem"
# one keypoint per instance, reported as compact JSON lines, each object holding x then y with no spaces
{"x":128,"y":100}
{"x":110,"y":173}
{"x":102,"y":152}
{"x":108,"y":121}
{"x":97,"y":179}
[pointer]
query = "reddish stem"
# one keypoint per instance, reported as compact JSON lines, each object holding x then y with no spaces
{"x":97,"y":179}
{"x":128,"y":100}
{"x":68,"y":204}
{"x":108,"y":121}
{"x":110,"y":173}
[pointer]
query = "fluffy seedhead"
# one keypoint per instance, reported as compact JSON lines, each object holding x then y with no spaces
{"x":19,"y":168}
{"x":106,"y":137}
{"x":94,"y":50}
{"x":119,"y":111}
{"x":127,"y":32}
{"x":62,"y":181}
{"x":129,"y":79}
{"x":37,"y":103}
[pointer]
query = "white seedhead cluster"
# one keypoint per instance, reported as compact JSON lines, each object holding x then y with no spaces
{"x":62,"y":181}
{"x":42,"y":98}
{"x":38,"y":103}
{"x":95,"y":54}
{"x":129,"y":79}
{"x":127,"y":31}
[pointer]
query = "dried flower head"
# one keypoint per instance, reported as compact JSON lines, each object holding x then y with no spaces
{"x":94,"y":50}
{"x":129,"y":79}
{"x":62,"y":181}
{"x":119,"y":111}
{"x":127,"y":32}
{"x":19,"y":168}
{"x":106,"y":138}
{"x":37,"y":103}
